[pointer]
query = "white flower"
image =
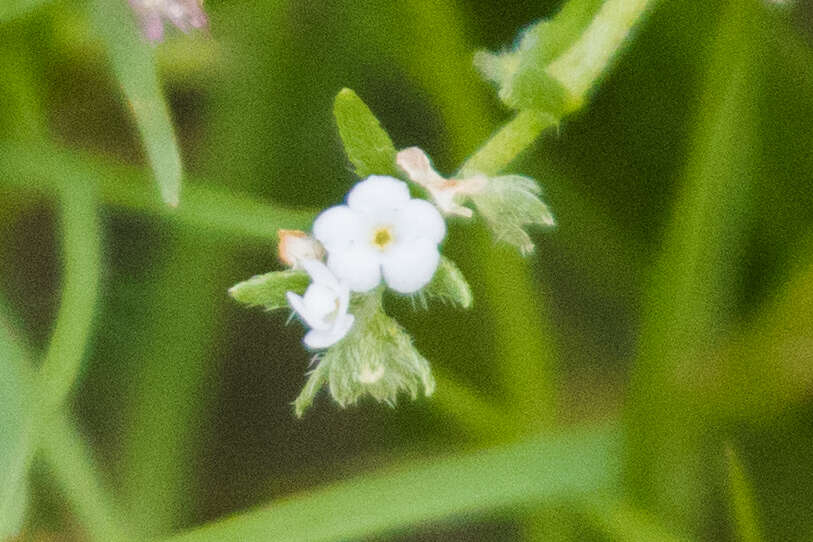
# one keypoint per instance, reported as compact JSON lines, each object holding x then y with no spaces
{"x":381,"y":232}
{"x":296,"y":247}
{"x":323,"y":307}
{"x":443,"y":191}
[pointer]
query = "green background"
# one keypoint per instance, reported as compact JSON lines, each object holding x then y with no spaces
{"x":669,"y":314}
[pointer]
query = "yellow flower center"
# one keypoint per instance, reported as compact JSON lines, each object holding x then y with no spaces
{"x":382,"y":237}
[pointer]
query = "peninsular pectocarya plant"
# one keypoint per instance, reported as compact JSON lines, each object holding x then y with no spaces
{"x":382,"y":239}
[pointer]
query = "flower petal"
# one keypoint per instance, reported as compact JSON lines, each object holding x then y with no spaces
{"x":358,"y":267}
{"x":419,"y":219}
{"x":321,"y":274}
{"x":417,"y":166}
{"x":339,"y":227}
{"x":316,"y":338}
{"x":408,"y":267}
{"x":378,"y":195}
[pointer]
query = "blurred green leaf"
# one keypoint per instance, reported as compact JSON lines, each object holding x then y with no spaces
{"x":623,"y":522}
{"x":81,"y":263}
{"x":16,"y":439}
{"x":367,"y":145}
{"x":579,"y":463}
{"x":269,"y":290}
{"x":557,"y":61}
{"x":16,"y":8}
{"x":694,"y":284}
{"x":69,"y":461}
{"x":205,"y":209}
{"x":448,"y":285}
{"x":522,"y":75}
{"x":741,"y":499}
{"x":133,"y":63}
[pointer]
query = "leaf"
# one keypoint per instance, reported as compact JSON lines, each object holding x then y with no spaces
{"x":81,"y":273}
{"x":448,"y":285}
{"x":510,"y":203}
{"x":133,"y":64}
{"x":269,"y":290}
{"x":10,"y":9}
{"x":16,"y":437}
{"x":557,"y":61}
{"x":206,"y":209}
{"x":741,"y":499}
{"x":696,"y":283}
{"x":367,"y":145}
{"x":542,"y":469}
{"x":522,"y":73}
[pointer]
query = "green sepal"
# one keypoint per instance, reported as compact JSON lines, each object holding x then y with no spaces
{"x":510,"y":203}
{"x":269,"y":290}
{"x":376,"y":358}
{"x":522,"y":73}
{"x":367,"y":145}
{"x":447,"y":285}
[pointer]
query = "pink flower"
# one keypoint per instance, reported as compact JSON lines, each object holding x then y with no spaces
{"x":184,"y":14}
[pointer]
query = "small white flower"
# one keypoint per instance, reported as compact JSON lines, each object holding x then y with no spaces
{"x":381,"y":232}
{"x":296,"y":247}
{"x":443,"y":191}
{"x":323,"y":307}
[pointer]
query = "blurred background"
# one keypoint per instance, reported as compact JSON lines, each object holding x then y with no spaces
{"x":674,"y":301}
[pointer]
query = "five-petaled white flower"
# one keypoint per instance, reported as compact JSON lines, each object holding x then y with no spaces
{"x":184,"y":14}
{"x":323,"y":307}
{"x":444,"y":192}
{"x":381,"y":232}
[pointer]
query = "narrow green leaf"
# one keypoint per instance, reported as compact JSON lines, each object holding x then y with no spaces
{"x":81,"y":263}
{"x":16,"y":438}
{"x":367,"y":145}
{"x":269,"y":290}
{"x":741,"y":499}
{"x":10,"y":9}
{"x":69,"y":461}
{"x":695,"y":284}
{"x":623,"y":522}
{"x":543,"y":469}
{"x":133,"y":64}
{"x":207,"y":209}
{"x":448,"y":285}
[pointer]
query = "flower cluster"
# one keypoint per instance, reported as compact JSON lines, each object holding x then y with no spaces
{"x":382,"y":239}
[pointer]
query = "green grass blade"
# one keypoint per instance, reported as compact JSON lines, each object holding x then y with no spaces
{"x":693,"y":288}
{"x":206,"y":209}
{"x":133,"y":64}
{"x":541,"y":469}
{"x":69,"y":461}
{"x":741,"y":499}
{"x":367,"y":145}
{"x":623,"y":522}
{"x":81,"y":263}
{"x":16,"y":438}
